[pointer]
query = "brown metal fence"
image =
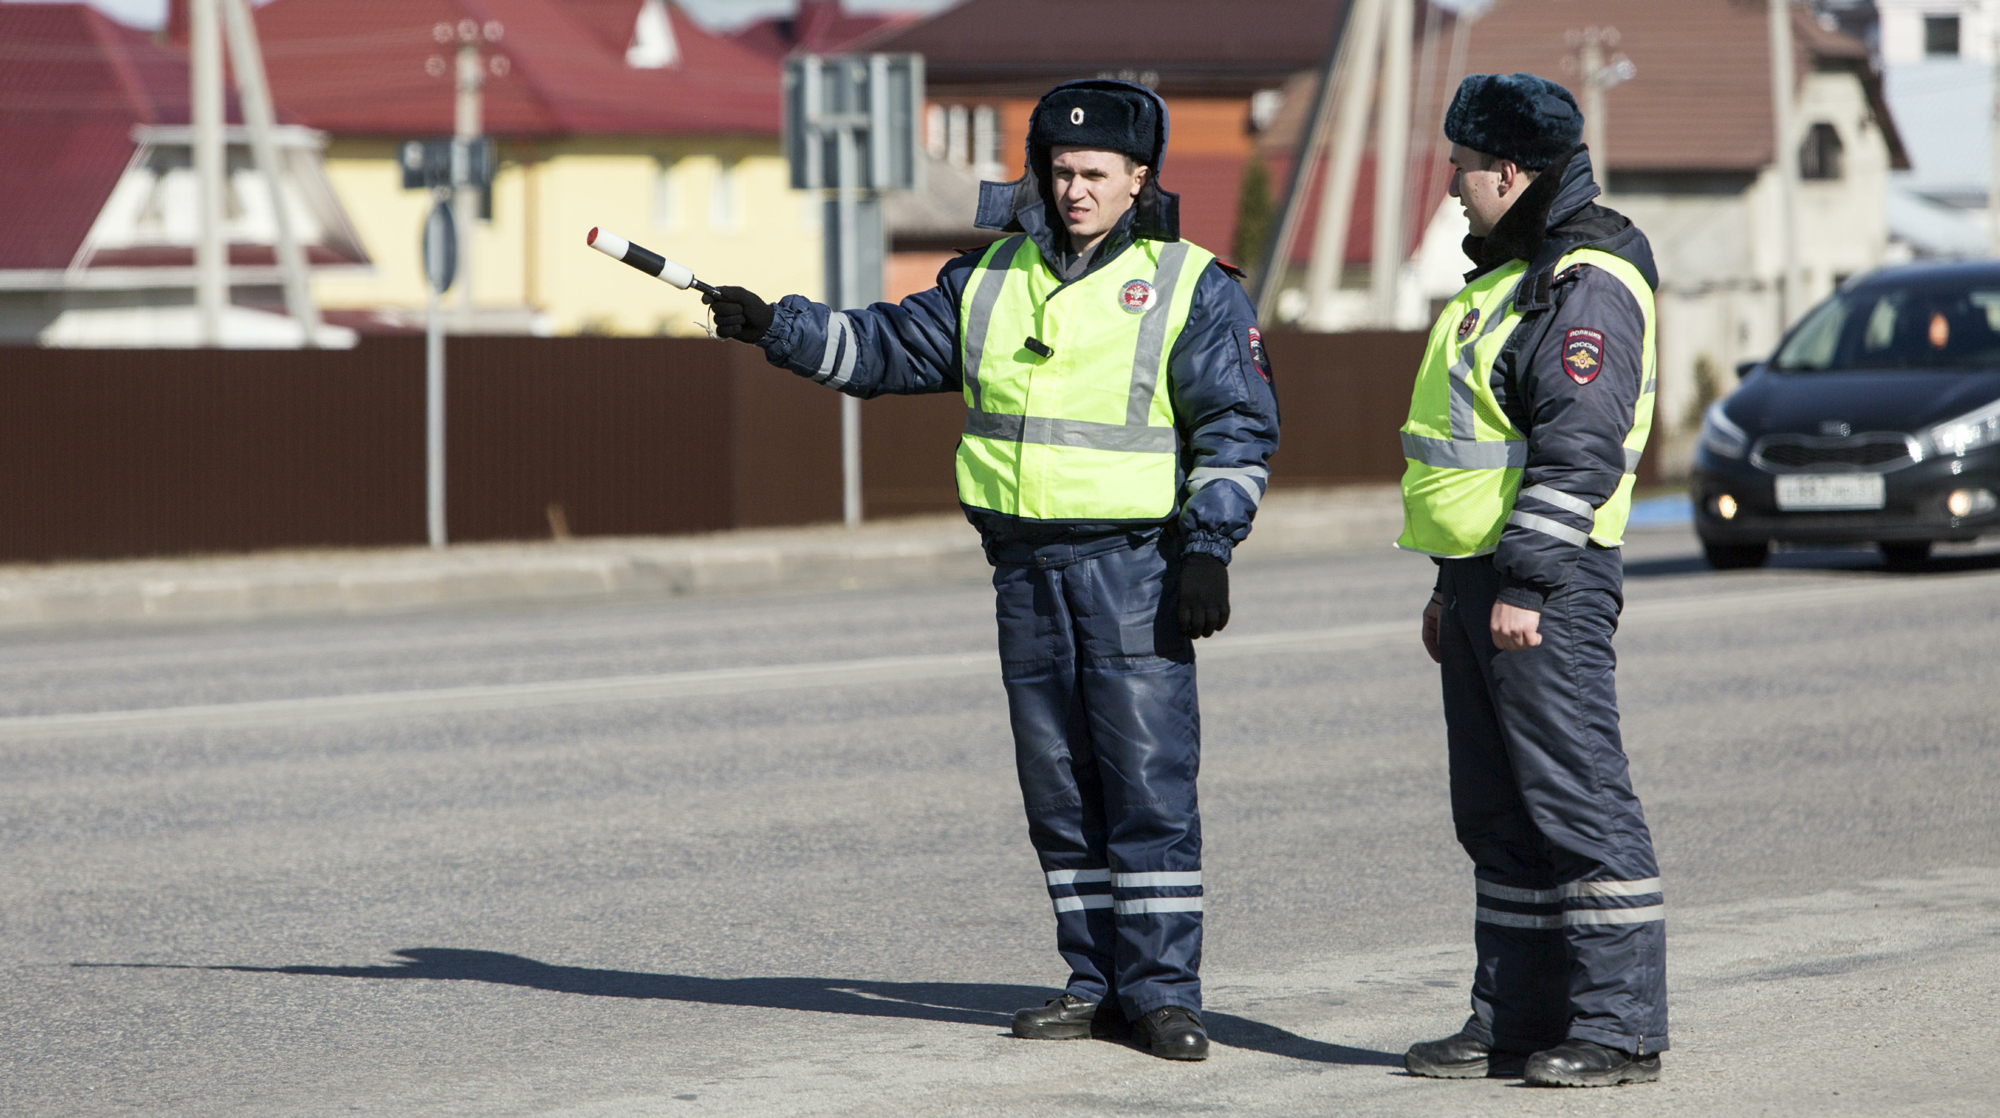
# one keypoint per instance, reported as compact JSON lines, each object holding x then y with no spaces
{"x":115,"y":453}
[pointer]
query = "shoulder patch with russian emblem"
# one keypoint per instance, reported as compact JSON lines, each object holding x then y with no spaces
{"x":1583,"y":355}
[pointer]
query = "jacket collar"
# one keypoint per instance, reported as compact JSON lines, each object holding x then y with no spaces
{"x":1052,"y":240}
{"x":1557,"y":215}
{"x":1557,"y":195}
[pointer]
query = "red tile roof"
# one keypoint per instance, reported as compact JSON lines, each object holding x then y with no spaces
{"x":358,"y":67}
{"x":818,"y":27}
{"x":1022,"y":47}
{"x":72,"y":86}
{"x":1702,"y":97}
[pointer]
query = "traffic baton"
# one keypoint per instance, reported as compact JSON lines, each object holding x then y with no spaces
{"x":646,"y":260}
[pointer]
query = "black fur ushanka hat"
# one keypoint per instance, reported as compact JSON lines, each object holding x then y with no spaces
{"x":1517,"y":117}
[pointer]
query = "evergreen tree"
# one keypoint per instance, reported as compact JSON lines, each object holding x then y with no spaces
{"x":1253,"y":217}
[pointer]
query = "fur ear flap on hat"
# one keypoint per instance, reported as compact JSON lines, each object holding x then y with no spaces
{"x":1521,"y":118}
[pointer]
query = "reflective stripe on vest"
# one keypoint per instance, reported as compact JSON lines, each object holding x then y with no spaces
{"x":1080,"y":430}
{"x":1465,"y":457}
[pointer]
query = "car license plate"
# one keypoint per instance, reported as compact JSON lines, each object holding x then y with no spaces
{"x":1830,"y":491}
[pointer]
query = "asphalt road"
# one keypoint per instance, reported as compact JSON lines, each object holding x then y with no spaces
{"x":764,"y":856}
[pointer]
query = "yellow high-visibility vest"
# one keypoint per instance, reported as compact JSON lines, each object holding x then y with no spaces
{"x":1464,"y":455}
{"x":1070,"y":417}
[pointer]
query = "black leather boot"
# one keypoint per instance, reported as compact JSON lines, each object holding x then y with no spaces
{"x":1459,"y":1057}
{"x":1064,"y":1018}
{"x":1172,"y":1032}
{"x":1583,"y":1063}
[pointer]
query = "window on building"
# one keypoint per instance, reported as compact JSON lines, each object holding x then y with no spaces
{"x":985,"y":142}
{"x":665,"y":201}
{"x":957,"y":136}
{"x":964,"y":136}
{"x":1941,"y":36}
{"x":722,"y":201}
{"x":1820,"y":155}
{"x":934,"y":135}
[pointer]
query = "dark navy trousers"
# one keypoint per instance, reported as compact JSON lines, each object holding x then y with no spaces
{"x":1569,"y":925}
{"x":1107,"y":741}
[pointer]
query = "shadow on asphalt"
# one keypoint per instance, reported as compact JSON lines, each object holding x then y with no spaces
{"x":963,"y":1003}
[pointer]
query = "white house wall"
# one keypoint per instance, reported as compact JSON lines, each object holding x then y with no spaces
{"x":1902,"y":27}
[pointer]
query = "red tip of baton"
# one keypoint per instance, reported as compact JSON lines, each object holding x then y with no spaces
{"x":592,"y":239}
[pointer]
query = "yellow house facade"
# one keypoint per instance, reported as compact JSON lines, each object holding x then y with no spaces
{"x":721,"y":206}
{"x":619,"y":113}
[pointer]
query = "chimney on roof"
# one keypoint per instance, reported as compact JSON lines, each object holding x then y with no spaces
{"x":653,"y":44}
{"x":814,"y":22}
{"x":177,"y":23}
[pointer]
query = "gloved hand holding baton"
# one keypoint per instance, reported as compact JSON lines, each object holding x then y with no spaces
{"x":739,"y":313}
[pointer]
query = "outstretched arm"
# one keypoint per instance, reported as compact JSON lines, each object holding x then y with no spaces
{"x":902,"y":348}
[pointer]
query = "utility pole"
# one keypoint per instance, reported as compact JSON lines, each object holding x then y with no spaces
{"x":1355,"y":75}
{"x":1424,"y":118}
{"x":440,"y":268}
{"x":1278,"y":251}
{"x":211,"y":259}
{"x":1599,"y":76}
{"x":1392,"y":161}
{"x":255,"y":92}
{"x":860,"y":113}
{"x":1593,"y":99}
{"x":1993,"y":136}
{"x":847,"y":198}
{"x":468,"y":124}
{"x":1791,"y":285}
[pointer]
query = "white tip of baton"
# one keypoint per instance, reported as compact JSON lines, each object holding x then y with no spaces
{"x":608,"y":243}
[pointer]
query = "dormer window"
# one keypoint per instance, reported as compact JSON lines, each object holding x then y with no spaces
{"x":1820,"y":156}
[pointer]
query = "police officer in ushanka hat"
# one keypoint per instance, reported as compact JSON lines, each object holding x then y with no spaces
{"x":1529,"y":416}
{"x":1120,"y":417}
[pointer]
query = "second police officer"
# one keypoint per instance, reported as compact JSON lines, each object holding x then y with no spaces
{"x":1115,"y":449}
{"x":1527,"y":422}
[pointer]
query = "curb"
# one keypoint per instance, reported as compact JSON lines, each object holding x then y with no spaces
{"x":377,"y":581}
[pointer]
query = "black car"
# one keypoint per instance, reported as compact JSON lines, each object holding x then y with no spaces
{"x":1877,"y":420}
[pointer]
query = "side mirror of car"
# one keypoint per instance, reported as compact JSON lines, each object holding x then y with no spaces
{"x":1745,"y":368}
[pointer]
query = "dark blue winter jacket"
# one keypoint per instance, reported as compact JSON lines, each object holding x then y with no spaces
{"x":1225,"y":410}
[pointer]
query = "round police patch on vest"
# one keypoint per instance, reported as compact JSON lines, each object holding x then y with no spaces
{"x":1467,"y":324}
{"x":1136,"y":296}
{"x":1583,"y":355}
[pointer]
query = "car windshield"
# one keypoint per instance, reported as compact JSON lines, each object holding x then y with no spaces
{"x":1939,"y":326}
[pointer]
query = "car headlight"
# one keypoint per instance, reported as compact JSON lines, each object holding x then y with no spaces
{"x":1720,"y":435}
{"x":1968,"y":432}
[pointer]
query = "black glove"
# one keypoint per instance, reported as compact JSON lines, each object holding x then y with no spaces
{"x":1204,"y":605}
{"x":739,"y":313}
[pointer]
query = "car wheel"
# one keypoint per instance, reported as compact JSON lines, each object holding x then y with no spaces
{"x":1735,"y":556}
{"x":1904,"y":556}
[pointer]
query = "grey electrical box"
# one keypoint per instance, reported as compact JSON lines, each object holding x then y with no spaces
{"x":879,"y":96}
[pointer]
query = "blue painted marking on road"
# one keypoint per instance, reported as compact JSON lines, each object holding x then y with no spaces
{"x":1672,"y":510}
